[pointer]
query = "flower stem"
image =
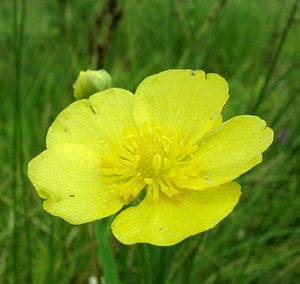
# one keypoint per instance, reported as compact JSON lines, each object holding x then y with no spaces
{"x":105,"y":253}
{"x":144,"y":264}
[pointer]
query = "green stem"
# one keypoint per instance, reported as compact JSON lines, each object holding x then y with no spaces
{"x":21,"y":152}
{"x":144,"y":264}
{"x":270,"y":71}
{"x":104,"y":252}
{"x":170,"y":36}
{"x":19,"y":9}
{"x":15,"y":139}
{"x":50,"y":271}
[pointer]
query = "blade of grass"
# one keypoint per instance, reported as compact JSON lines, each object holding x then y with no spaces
{"x":170,"y":19}
{"x":22,"y":163}
{"x":182,"y":253}
{"x":263,"y":91}
{"x":15,"y":245}
{"x":51,"y":252}
{"x":292,"y":67}
{"x":19,"y":13}
{"x":105,"y":253}
{"x":216,"y":9}
{"x":284,"y":108}
{"x":144,"y":264}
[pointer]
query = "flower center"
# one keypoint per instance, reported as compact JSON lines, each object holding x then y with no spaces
{"x":156,"y":158}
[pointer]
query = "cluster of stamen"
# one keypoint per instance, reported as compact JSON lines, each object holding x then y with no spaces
{"x":156,"y":158}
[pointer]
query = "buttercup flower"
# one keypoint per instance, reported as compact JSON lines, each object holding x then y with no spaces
{"x":164,"y":147}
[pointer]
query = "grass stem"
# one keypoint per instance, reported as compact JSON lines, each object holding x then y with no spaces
{"x":19,"y":27}
{"x":104,"y":252}
{"x":19,"y":12}
{"x":144,"y":264}
{"x":275,"y":58}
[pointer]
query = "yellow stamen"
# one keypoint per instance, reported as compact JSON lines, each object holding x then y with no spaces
{"x":156,"y":163}
{"x":148,"y":181}
{"x":157,"y":157}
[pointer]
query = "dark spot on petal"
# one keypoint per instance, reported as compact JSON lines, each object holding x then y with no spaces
{"x":193,"y":73}
{"x":91,"y":107}
{"x":65,"y":130}
{"x":72,"y":195}
{"x":213,"y":115}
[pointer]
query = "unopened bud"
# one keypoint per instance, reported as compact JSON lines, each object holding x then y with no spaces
{"x":90,"y":82}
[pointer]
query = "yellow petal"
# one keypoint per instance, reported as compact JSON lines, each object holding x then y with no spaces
{"x":230,"y":150}
{"x":93,"y":122}
{"x":189,"y":100}
{"x":166,"y":222}
{"x":68,"y":177}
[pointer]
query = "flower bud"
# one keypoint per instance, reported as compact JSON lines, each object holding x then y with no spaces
{"x":90,"y":82}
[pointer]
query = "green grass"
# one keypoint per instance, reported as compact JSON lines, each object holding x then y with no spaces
{"x":260,"y":241}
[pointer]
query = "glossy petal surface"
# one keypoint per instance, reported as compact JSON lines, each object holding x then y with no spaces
{"x":93,"y":122}
{"x":230,"y":150}
{"x":185,"y":99}
{"x":68,"y":177}
{"x":166,"y":141}
{"x":165,"y":223}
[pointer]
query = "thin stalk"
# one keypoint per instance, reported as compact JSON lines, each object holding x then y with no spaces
{"x":15,"y":245}
{"x":274,"y":61}
{"x":285,"y":107}
{"x":161,"y":268}
{"x":170,"y":36}
{"x":144,"y":264}
{"x":51,"y":250}
{"x":18,"y":9}
{"x":285,"y":74}
{"x":240,"y":273}
{"x":104,"y":252}
{"x":216,"y":9}
{"x":182,"y":255}
{"x":21,"y":157}
{"x":91,"y":237}
{"x":19,"y":15}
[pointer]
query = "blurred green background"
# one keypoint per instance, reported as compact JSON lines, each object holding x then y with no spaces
{"x":253,"y":44}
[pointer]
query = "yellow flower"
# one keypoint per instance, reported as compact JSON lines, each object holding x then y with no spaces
{"x":164,"y":147}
